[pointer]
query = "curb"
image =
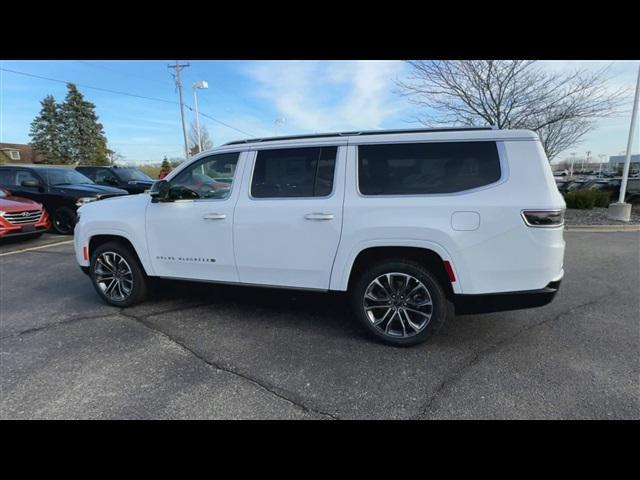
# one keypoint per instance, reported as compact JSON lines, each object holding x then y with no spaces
{"x":602,"y":228}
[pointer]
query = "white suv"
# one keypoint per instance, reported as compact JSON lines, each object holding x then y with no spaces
{"x":415,"y":225}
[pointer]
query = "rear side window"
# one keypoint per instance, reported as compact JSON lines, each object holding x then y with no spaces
{"x":88,"y":172}
{"x":423,"y":168}
{"x":294,"y":172}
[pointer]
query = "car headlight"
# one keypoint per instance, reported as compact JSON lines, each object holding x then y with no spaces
{"x":84,"y":200}
{"x":2,"y":213}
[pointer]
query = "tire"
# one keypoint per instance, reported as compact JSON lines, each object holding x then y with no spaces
{"x":63,"y":220}
{"x":133,"y":282}
{"x":406,"y":319}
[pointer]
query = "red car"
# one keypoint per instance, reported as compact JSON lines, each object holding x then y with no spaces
{"x":21,"y":216}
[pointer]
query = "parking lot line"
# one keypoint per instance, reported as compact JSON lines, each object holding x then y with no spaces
{"x":66,"y":242}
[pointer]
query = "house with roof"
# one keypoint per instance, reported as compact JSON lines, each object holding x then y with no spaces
{"x":19,"y":153}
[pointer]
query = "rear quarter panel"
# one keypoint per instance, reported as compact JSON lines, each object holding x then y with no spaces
{"x":502,"y":254}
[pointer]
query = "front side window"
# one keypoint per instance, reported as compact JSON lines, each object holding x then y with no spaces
{"x":426,"y":168}
{"x":25,"y":176}
{"x":294,"y":172}
{"x":105,"y":177}
{"x":208,"y":178}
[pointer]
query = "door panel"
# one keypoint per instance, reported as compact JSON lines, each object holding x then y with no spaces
{"x":193,"y":239}
{"x":288,"y":241}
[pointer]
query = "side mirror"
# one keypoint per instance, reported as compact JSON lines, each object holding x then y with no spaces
{"x":30,"y":183}
{"x":160,"y":191}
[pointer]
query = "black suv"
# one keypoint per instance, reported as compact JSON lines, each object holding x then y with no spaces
{"x":130,"y":179}
{"x":61,"y":190}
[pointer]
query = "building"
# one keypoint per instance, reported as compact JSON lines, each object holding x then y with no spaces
{"x":19,"y":153}
{"x":616,"y":162}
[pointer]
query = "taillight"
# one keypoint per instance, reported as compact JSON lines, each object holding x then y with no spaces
{"x":543,"y":218}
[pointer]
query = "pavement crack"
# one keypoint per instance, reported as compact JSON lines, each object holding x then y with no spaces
{"x":475,"y":358}
{"x":255,"y":381}
{"x":57,"y":324}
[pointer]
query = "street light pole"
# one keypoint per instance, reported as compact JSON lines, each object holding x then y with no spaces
{"x":621,"y":210}
{"x":202,"y":85}
{"x":573,"y":159}
{"x":632,"y":129}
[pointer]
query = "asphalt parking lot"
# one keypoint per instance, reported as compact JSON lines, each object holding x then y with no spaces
{"x":204,"y":351}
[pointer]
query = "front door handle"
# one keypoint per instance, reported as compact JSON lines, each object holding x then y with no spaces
{"x":214,"y":216}
{"x":319,"y":216}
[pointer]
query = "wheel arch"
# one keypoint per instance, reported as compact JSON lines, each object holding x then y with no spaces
{"x":100,"y":239}
{"x":432,"y":256}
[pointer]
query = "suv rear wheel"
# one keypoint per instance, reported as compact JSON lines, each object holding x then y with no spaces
{"x":117,"y":275}
{"x":400,"y":302}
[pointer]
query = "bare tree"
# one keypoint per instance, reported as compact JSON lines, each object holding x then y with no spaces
{"x":207,"y":143}
{"x":560,"y":107}
{"x":114,"y":157}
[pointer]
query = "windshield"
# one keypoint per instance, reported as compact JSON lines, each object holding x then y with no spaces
{"x":59,"y":176}
{"x":129,"y":174}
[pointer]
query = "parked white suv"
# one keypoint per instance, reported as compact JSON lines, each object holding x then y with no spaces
{"x":415,"y":224}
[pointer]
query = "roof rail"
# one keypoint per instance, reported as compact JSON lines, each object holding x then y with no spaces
{"x":358,"y":133}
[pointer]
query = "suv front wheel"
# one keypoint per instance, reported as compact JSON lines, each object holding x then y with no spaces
{"x":400,"y":302}
{"x":117,"y":275}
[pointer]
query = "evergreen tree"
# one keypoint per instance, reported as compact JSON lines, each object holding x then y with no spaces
{"x":45,"y":131}
{"x":165,"y":164}
{"x":83,"y":139}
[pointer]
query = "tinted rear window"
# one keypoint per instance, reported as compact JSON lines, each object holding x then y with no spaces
{"x":294,"y":172}
{"x":423,"y":168}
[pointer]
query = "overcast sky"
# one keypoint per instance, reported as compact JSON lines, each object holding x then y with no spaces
{"x":247,"y":96}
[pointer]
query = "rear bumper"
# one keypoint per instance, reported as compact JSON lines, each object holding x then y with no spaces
{"x":499,"y":302}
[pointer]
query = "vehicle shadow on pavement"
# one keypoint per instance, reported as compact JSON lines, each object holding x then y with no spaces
{"x":333,"y":306}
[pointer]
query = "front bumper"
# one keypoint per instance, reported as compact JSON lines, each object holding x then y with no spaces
{"x":8,"y":229}
{"x":504,"y":301}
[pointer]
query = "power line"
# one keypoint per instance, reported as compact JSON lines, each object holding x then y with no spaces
{"x":119,"y":72}
{"x":172,"y":102}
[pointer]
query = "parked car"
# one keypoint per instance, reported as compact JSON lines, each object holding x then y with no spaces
{"x":414,"y":225}
{"x":21,"y":216}
{"x":133,"y":180}
{"x":612,"y":185}
{"x":561,"y":184}
{"x":61,"y":190}
{"x":573,"y":185}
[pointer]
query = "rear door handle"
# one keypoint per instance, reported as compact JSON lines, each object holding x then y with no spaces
{"x":319,"y":216}
{"x":214,"y":216}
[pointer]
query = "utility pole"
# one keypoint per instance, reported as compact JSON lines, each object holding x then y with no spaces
{"x":179,"y":66}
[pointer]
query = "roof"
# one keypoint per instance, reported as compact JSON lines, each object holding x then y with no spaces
{"x":376,"y":136}
{"x":27,"y":153}
{"x":355,"y":133}
{"x":36,"y":166}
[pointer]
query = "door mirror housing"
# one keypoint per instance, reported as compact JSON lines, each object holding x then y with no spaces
{"x":160,"y":191}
